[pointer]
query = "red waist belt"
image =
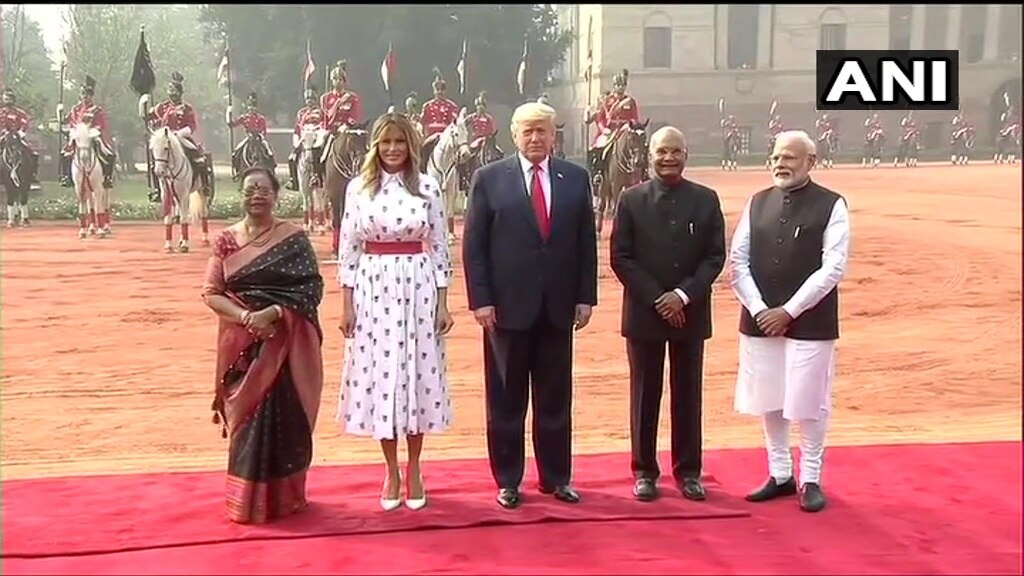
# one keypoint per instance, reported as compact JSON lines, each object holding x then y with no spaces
{"x":393,"y":247}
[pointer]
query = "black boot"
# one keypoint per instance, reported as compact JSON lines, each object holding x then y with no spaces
{"x":108,"y":172}
{"x":293,"y":174}
{"x":65,"y":172}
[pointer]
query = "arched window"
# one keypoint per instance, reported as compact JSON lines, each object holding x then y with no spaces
{"x":832,"y":30}
{"x":657,"y":41}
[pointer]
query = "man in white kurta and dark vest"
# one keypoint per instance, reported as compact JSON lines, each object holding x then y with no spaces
{"x":789,"y":252}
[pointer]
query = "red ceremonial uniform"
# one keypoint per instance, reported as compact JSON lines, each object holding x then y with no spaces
{"x":253,"y":122}
{"x":91,"y":115}
{"x":614,"y":112}
{"x":438,"y":114}
{"x":175,"y":116}
{"x":482,"y":125}
{"x":824,"y":126}
{"x":343,"y":108}
{"x":308,"y":115}
{"x":13,"y":118}
{"x":775,"y":128}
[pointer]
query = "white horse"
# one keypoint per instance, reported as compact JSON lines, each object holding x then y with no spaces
{"x":87,"y":175}
{"x":178,"y":196}
{"x":443,"y":162}
{"x":314,"y":198}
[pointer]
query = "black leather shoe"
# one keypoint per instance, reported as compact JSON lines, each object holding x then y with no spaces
{"x":509,"y":498}
{"x":693,"y":489}
{"x":645,"y":489}
{"x":771,"y":489}
{"x":562,"y":493}
{"x":812,"y":499}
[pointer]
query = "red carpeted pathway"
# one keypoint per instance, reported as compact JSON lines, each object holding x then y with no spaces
{"x":935,"y":509}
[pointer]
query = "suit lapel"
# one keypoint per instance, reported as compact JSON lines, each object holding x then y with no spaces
{"x":558,"y":196}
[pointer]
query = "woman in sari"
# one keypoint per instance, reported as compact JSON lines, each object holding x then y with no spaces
{"x":263,"y":283}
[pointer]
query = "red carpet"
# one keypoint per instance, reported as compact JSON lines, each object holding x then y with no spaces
{"x":943,"y":509}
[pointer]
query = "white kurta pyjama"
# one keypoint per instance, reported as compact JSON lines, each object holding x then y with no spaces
{"x":779,"y":373}
{"x":394,"y":381}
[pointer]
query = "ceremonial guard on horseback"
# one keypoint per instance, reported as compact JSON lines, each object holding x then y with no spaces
{"x":909,"y":141}
{"x":962,"y":139}
{"x":14,"y":124}
{"x":414,"y":111}
{"x":87,"y":112}
{"x":828,"y":136}
{"x":343,"y":109}
{"x":438,"y":113}
{"x":1008,"y":138}
{"x":255,"y":126}
{"x":874,"y":140}
{"x":343,"y":116}
{"x":483,"y":147}
{"x":180,"y":117}
{"x":310,"y":117}
{"x":616,"y":110}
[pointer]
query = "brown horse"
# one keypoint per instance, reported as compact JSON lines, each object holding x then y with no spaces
{"x":342,"y":162}
{"x":625,"y":166}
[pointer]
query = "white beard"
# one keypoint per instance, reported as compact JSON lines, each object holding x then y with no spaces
{"x":789,"y":182}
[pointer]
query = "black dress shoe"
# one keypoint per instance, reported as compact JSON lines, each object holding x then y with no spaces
{"x":645,"y":489}
{"x":812,"y":499}
{"x":693,"y":489}
{"x":509,"y":498}
{"x":772,"y":489}
{"x":562,"y":493}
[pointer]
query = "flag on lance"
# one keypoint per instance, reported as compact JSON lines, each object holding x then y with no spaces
{"x":224,"y":69}
{"x":461,"y":67}
{"x":143,"y":79}
{"x":307,"y":72}
{"x":387,"y":68}
{"x":521,"y":76}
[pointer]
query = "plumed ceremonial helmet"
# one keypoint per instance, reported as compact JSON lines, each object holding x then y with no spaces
{"x":544,"y":99}
{"x":8,"y":95}
{"x":339,"y":72}
{"x":412,"y":102}
{"x":177,"y":84}
{"x":439,"y":83}
{"x":481,"y":99}
{"x":621,"y":80}
{"x":89,"y":86}
{"x":310,"y":93}
{"x":252,"y":99}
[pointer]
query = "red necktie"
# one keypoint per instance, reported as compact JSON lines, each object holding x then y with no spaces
{"x":540,"y":205}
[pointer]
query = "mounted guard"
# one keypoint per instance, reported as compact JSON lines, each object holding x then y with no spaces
{"x":343,"y":109}
{"x":438,"y":113}
{"x":255,"y":126}
{"x":345,"y":146}
{"x":414,"y":111}
{"x":87,"y":112}
{"x":483,"y":148}
{"x":616,"y":110}
{"x":180,"y":117}
{"x":16,"y":121}
{"x":311,"y":115}
{"x":1008,"y":137}
{"x":909,"y":141}
{"x":962,"y":139}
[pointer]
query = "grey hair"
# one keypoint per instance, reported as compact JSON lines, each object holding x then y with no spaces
{"x":530,"y":112}
{"x":799,"y":136}
{"x":665,"y":131}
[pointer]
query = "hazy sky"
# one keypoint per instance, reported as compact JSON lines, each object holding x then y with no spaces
{"x":51,"y":21}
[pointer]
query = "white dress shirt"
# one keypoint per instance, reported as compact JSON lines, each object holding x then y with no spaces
{"x":545,"y":178}
{"x":834,"y":256}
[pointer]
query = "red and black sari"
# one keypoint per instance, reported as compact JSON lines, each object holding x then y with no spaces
{"x":268,"y":391}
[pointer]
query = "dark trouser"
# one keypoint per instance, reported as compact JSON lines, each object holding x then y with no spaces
{"x":517,"y":362}
{"x":293,"y":167}
{"x":686,"y":375}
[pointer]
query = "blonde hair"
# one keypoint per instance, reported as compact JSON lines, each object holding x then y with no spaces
{"x":372,"y":164}
{"x":532,"y":112}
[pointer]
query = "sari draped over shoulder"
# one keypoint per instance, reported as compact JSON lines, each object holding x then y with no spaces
{"x":268,"y":391}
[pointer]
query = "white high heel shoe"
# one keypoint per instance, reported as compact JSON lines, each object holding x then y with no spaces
{"x":389,"y":504}
{"x":417,"y":503}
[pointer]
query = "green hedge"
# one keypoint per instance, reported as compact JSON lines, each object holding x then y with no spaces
{"x":228,"y":206}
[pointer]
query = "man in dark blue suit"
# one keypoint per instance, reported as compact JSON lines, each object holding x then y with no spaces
{"x":530,"y":258}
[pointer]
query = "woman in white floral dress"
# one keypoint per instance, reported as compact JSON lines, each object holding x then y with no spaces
{"x":394,"y":270}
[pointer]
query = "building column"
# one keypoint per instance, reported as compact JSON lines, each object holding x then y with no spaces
{"x":992,"y":15}
{"x":764,"y":37}
{"x":917,"y":26}
{"x":953,"y":27}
